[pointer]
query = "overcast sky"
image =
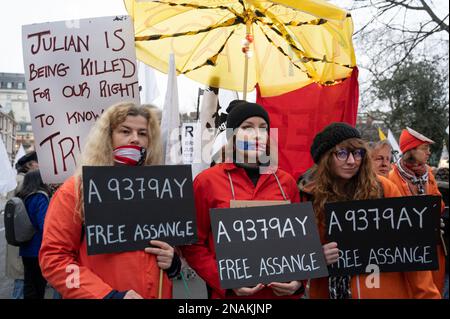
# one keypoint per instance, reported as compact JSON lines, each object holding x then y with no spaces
{"x":21,"y":12}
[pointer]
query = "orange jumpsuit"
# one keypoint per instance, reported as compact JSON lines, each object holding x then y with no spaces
{"x":67,"y":267}
{"x":431,"y":189}
{"x":393,"y":285}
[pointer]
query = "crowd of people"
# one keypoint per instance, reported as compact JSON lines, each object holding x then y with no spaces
{"x":346,"y":168}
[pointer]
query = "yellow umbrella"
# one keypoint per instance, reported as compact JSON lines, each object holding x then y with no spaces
{"x":287,"y":44}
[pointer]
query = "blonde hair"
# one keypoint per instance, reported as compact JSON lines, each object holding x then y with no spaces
{"x":364,"y":185}
{"x":98,"y":150}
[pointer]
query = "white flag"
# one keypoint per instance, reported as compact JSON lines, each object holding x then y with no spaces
{"x":147,"y":81}
{"x":202,"y":154}
{"x":443,"y":162}
{"x":396,"y":149}
{"x":19,"y":154}
{"x":170,"y":122}
{"x":7,"y":173}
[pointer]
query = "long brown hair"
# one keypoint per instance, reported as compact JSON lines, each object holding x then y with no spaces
{"x":98,"y":150}
{"x":364,"y":185}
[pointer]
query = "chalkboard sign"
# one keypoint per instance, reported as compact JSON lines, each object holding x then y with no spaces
{"x":394,"y":234}
{"x":126,"y":207}
{"x":267,"y":244}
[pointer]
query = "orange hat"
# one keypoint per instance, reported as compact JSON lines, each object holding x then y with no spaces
{"x":410,"y":139}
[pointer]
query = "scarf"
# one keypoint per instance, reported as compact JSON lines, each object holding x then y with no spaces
{"x":416,"y":175}
{"x":131,"y":155}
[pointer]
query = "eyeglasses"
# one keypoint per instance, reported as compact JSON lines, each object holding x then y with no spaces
{"x":343,"y":154}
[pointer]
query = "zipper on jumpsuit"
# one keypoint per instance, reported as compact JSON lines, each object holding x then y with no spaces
{"x":274,"y":174}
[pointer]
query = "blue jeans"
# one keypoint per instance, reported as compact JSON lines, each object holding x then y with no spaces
{"x":446,"y":287}
{"x":18,"y":289}
{"x":56,"y":294}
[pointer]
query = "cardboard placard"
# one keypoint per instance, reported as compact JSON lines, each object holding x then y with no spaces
{"x":74,"y":70}
{"x":389,"y":234}
{"x":267,"y":244}
{"x":126,"y":207}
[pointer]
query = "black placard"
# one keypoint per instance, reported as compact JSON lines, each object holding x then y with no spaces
{"x":126,"y":207}
{"x":286,"y":235}
{"x":395,"y":234}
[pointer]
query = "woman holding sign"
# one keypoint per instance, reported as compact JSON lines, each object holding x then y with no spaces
{"x":413,"y":177}
{"x":344,"y":173}
{"x":125,"y":134}
{"x":245,"y":176}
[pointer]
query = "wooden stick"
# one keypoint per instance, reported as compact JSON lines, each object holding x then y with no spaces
{"x":245,"y":77}
{"x":161,"y":278}
{"x":248,"y":27}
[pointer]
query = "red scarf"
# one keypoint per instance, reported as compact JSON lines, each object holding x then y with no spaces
{"x":131,"y":155}
{"x":416,"y":175}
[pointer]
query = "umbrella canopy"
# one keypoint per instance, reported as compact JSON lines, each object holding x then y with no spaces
{"x":291,"y":43}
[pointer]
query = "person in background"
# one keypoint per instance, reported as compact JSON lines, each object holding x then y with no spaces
{"x":125,"y":134}
{"x":442,"y":182}
{"x":413,"y":177}
{"x":305,"y":180}
{"x":13,"y":262}
{"x":35,"y":195}
{"x":381,"y":155}
{"x":243,"y":176}
{"x":344,"y":173}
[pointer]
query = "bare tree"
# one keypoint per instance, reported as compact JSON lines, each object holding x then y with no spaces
{"x":400,"y":27}
{"x":390,"y":33}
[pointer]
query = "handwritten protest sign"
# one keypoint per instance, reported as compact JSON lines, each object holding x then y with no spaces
{"x":267,"y":244}
{"x":126,"y":207}
{"x":73,"y":72}
{"x":393,"y":234}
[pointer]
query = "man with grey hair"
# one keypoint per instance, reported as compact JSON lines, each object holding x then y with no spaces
{"x":381,"y":155}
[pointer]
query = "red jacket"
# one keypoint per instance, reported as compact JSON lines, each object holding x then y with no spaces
{"x":65,"y":264}
{"x":212,"y":190}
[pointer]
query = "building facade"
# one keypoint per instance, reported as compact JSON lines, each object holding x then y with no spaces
{"x":14,"y":101}
{"x":8,"y":133}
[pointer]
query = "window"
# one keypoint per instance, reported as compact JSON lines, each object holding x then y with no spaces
{"x":20,"y":86}
{"x":9,"y":85}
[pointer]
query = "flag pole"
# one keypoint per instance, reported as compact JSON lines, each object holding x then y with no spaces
{"x":247,"y":52}
{"x":245,"y":78}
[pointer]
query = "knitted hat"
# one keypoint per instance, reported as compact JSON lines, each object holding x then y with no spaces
{"x":331,"y":136}
{"x":240,"y":110}
{"x":410,"y":139}
{"x":32,"y":156}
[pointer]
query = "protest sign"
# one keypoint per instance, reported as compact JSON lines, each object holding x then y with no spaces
{"x":73,"y":72}
{"x":126,"y":207}
{"x":393,"y":234}
{"x":267,"y":244}
{"x":189,"y":132}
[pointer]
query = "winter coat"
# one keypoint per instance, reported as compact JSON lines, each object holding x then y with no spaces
{"x":212,"y":190}
{"x":67,"y":267}
{"x":393,"y":285}
{"x":13,"y":262}
{"x":36,"y":205}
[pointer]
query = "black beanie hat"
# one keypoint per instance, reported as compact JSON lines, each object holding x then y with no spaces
{"x":240,"y":110}
{"x":32,"y":156}
{"x":331,"y":136}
